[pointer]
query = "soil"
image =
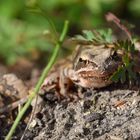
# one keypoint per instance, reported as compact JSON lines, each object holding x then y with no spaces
{"x":112,"y":113}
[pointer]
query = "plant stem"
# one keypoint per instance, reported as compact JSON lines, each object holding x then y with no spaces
{"x":37,"y":87}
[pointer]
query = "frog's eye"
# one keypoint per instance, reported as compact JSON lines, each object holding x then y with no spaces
{"x":81,"y":63}
{"x":84,"y":63}
{"x":80,"y":60}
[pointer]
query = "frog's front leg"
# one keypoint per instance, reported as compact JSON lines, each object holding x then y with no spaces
{"x":66,"y":83}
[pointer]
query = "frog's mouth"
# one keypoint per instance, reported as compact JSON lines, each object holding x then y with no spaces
{"x":96,"y":72}
{"x":94,"y":78}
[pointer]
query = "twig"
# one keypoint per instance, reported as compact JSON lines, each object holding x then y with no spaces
{"x":113,"y":18}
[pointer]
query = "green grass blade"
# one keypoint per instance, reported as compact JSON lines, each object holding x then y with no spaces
{"x":36,"y":90}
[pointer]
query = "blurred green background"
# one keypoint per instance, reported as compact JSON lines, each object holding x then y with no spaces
{"x":25,"y":32}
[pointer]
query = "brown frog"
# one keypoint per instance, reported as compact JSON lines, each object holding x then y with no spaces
{"x":91,"y":67}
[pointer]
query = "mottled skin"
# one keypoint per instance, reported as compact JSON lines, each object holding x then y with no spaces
{"x":94,"y":64}
{"x":91,"y":67}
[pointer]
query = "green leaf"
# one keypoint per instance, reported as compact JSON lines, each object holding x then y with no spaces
{"x":117,"y":75}
{"x":88,"y":35}
{"x":123,"y":75}
{"x":80,"y":37}
{"x":131,"y":48}
{"x":131,"y":74}
{"x":125,"y":46}
{"x":106,"y":35}
{"x":126,"y":60}
{"x":100,"y":36}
